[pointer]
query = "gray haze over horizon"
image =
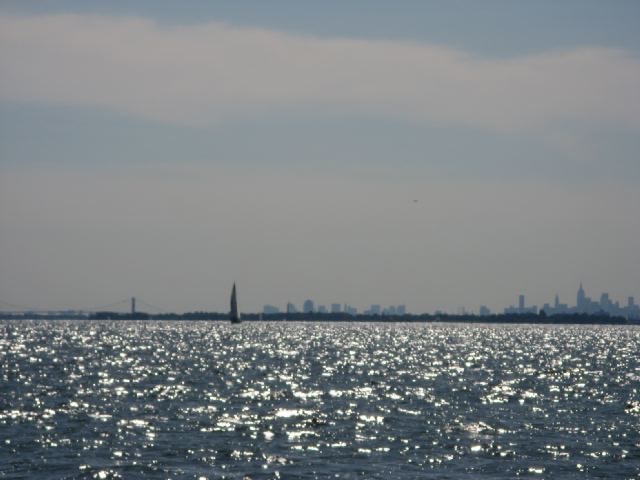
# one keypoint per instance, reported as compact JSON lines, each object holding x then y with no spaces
{"x":360,"y":158}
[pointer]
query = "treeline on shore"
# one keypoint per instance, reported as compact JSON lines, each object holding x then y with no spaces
{"x":541,"y":318}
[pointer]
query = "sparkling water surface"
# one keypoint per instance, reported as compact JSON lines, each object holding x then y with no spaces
{"x":317,"y":400}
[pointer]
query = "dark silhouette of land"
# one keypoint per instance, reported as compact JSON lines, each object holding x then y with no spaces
{"x":541,"y":318}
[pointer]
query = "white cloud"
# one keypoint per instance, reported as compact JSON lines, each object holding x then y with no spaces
{"x":208,"y":73}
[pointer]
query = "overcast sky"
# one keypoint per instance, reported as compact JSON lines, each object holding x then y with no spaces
{"x":434,"y":154}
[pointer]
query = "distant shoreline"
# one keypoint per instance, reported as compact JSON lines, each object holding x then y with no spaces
{"x":540,"y":319}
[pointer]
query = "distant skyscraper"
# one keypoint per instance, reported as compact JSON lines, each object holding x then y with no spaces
{"x":631,"y":302}
{"x":401,"y":310}
{"x":390,"y":310}
{"x":484,"y":311}
{"x":349,"y":310}
{"x":336,"y":308}
{"x":270,"y":310}
{"x":521,"y":308}
{"x":605,"y":302}
{"x":308,"y":306}
{"x":581,"y":298}
{"x":322,"y":309}
{"x":291,"y":308}
{"x":375,"y":309}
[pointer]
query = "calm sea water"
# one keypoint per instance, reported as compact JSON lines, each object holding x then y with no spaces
{"x":274,"y":400}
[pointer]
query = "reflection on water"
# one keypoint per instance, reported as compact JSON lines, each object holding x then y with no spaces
{"x":271,"y":400}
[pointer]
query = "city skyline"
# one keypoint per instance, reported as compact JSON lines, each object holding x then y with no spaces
{"x":607,"y":304}
{"x":584,"y":304}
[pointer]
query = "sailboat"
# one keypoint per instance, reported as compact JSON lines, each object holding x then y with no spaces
{"x":234,"y":316}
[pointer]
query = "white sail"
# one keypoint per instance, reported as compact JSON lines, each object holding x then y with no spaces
{"x":234,"y":316}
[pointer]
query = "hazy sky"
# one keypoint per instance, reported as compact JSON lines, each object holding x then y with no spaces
{"x":437,"y":154}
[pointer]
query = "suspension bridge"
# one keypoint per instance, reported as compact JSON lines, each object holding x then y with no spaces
{"x":127,"y":305}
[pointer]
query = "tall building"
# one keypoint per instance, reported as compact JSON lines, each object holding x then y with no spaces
{"x":291,"y":308}
{"x":521,"y":308}
{"x":308,"y":306}
{"x":605,"y":302}
{"x":336,"y":308}
{"x":349,"y":310}
{"x":484,"y":311}
{"x":557,"y":307}
{"x":581,"y":298}
{"x":322,"y":309}
{"x":401,"y":310}
{"x":270,"y":310}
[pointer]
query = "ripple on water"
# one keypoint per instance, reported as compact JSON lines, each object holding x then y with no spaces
{"x":276,"y":400}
